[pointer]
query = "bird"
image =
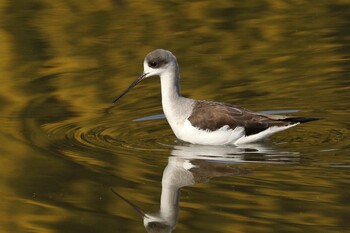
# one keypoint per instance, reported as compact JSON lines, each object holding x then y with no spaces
{"x":207,"y":122}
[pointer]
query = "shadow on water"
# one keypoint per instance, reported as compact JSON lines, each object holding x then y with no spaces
{"x":194,"y":164}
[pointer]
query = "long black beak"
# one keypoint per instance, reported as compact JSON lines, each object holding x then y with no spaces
{"x":139,"y":79}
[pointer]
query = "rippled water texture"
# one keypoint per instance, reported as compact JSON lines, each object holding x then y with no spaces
{"x":64,"y":149}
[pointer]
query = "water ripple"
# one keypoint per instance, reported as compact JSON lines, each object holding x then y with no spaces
{"x":149,"y":135}
{"x":106,"y":136}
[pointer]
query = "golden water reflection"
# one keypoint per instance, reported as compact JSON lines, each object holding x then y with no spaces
{"x":63,"y":62}
{"x":194,"y":164}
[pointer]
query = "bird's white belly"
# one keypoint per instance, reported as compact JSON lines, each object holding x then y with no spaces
{"x":223,"y":136}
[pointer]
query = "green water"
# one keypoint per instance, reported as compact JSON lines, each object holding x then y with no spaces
{"x":62,"y":63}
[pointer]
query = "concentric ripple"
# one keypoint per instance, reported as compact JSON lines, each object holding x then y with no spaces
{"x":107,"y":136}
{"x":110,"y":136}
{"x":84,"y":137}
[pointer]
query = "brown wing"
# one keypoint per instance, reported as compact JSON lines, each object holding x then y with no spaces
{"x":211,"y":116}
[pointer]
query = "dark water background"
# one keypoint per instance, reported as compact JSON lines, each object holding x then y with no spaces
{"x":63,"y":62}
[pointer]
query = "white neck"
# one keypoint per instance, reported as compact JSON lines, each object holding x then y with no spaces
{"x":176,"y":108}
{"x":169,"y":203}
{"x":174,"y":177}
{"x":170,"y":84}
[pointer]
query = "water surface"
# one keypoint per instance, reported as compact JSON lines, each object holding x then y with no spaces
{"x":63,"y":62}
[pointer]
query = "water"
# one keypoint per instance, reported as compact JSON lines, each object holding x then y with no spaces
{"x":62,"y":63}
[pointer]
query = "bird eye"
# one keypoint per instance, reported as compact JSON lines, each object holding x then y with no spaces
{"x":153,"y":64}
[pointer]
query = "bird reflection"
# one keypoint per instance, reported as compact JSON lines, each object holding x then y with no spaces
{"x":192,"y":164}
